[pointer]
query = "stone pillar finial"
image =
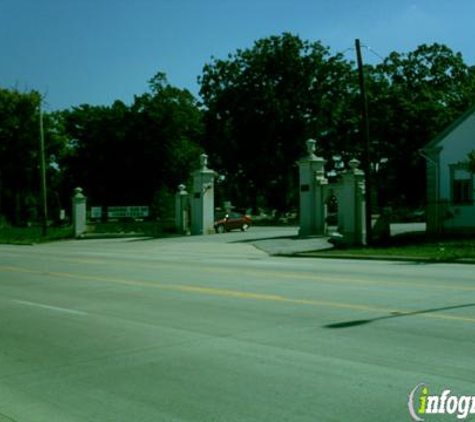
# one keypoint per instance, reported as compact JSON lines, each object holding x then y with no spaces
{"x":181,"y":188}
{"x":204,"y":161}
{"x":311,"y":147}
{"x":354,"y":164}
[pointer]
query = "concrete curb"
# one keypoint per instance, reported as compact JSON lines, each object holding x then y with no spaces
{"x":397,"y":258}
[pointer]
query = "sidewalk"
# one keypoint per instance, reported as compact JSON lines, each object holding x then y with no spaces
{"x":293,"y":245}
{"x":287,"y":242}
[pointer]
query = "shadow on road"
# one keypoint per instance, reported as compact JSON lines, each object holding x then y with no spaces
{"x":355,"y":323}
{"x":254,"y":239}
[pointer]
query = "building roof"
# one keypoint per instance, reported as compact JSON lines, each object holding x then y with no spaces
{"x":449,"y":129}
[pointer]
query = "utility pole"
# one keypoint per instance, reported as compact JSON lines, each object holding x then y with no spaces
{"x":44,"y":204}
{"x":367,"y":151}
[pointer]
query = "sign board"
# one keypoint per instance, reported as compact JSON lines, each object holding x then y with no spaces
{"x":96,"y":212}
{"x":136,"y":211}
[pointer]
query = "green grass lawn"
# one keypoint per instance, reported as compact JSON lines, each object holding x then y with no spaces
{"x":418,"y":246}
{"x":143,"y":228}
{"x":30,"y":235}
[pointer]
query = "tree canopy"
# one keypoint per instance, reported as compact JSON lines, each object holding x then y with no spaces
{"x":258,"y":107}
{"x":263,"y":102}
{"x":413,"y":97}
{"x":128,"y":154}
{"x":19,"y":154}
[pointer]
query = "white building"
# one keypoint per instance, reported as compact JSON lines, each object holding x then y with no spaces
{"x":450,"y":186}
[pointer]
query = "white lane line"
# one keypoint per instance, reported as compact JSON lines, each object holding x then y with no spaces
{"x":51,"y":308}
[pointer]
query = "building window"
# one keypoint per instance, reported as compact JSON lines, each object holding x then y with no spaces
{"x":462,"y":185}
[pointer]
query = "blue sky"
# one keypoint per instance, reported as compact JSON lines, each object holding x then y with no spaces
{"x":97,"y":51}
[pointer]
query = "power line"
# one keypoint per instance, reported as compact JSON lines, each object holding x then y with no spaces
{"x":374,"y":52}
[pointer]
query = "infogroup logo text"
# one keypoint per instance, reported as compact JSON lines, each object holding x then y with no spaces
{"x":422,"y":403}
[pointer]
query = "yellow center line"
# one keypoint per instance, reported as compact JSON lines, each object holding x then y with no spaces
{"x":239,"y":294}
{"x":280,"y":275}
{"x":270,"y":274}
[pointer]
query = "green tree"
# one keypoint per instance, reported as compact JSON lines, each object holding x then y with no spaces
{"x":125,"y":154}
{"x":261,"y":104}
{"x":412,"y":97}
{"x":168,"y":129}
{"x":19,"y":154}
{"x":97,"y":157}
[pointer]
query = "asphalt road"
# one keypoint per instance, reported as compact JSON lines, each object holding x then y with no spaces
{"x":213,"y":329}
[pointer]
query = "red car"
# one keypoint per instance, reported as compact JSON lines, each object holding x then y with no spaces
{"x":233,"y":221}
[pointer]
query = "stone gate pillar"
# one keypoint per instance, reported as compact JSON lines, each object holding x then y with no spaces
{"x":312,"y":201}
{"x":351,"y":206}
{"x":79,"y":213}
{"x":181,"y":210}
{"x":202,"y":203}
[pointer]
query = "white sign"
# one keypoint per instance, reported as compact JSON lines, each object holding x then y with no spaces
{"x":96,"y":212}
{"x":128,"y":212}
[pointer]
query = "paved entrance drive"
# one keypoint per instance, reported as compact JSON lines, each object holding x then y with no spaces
{"x":214,"y":329}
